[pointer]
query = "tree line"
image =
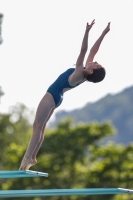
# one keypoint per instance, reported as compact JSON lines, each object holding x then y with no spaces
{"x":72,"y":155}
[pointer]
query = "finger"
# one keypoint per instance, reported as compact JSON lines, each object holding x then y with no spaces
{"x":93,"y":22}
{"x":87,"y":24}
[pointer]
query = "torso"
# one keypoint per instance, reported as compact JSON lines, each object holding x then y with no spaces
{"x":66,"y":81}
{"x":74,"y":80}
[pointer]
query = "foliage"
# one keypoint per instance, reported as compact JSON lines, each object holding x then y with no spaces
{"x":14,"y":132}
{"x":72,"y":155}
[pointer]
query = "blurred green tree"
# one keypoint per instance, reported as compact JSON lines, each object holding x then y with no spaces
{"x":14,"y":133}
{"x":72,"y":155}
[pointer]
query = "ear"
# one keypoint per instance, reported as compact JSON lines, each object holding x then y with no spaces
{"x":91,"y":71}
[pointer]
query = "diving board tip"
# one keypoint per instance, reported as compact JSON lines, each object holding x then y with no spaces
{"x":21,"y":173}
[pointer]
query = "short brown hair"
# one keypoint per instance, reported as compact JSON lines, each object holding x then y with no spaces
{"x":97,"y":75}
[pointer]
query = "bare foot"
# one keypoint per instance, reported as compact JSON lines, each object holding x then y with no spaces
{"x":26,"y":164}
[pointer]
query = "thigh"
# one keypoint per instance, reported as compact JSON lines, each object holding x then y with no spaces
{"x":45,"y":108}
{"x":44,"y":124}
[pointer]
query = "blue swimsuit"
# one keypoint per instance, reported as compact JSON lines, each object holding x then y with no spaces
{"x":56,"y":89}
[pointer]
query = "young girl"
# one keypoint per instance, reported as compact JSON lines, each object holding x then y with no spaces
{"x":71,"y":78}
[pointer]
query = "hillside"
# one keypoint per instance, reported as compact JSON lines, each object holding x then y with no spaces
{"x":117,"y":108}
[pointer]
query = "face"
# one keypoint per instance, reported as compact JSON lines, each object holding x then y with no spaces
{"x":90,"y":66}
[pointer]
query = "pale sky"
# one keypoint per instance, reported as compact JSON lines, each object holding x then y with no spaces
{"x":42,"y":38}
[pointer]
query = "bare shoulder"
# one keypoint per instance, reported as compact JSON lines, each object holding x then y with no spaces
{"x":76,"y":76}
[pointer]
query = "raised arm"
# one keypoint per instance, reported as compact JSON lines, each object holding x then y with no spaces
{"x":96,"y":46}
{"x":84,"y":46}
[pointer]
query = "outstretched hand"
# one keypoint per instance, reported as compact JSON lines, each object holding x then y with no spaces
{"x":89,"y":26}
{"x":107,"y":29}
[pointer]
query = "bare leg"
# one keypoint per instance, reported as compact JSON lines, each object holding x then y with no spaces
{"x":41,"y":140}
{"x":43,"y":113}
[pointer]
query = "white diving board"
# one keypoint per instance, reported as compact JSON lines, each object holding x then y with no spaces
{"x":63,"y":192}
{"x":21,"y":174}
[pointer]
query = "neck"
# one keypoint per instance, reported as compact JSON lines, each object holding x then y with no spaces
{"x":84,"y":72}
